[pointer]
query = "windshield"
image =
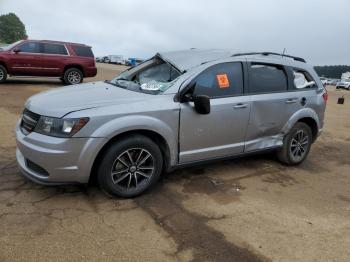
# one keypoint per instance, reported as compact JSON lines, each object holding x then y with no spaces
{"x":9,"y":47}
{"x":153,"y":76}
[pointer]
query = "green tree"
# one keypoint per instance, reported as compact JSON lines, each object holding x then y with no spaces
{"x":11,"y":28}
{"x":332,"y":71}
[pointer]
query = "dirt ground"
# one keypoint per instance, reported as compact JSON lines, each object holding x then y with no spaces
{"x":247,"y":209}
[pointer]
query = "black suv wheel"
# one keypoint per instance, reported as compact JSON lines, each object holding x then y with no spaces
{"x":130,"y":166}
{"x":296,"y":145}
{"x":3,"y":74}
{"x":73,"y":76}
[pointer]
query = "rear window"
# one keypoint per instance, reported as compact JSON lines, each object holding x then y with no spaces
{"x":302,"y":80}
{"x":54,"y":49}
{"x":267,"y":79}
{"x":83,"y":51}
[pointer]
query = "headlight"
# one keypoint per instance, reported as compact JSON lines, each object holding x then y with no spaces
{"x":60,"y":127}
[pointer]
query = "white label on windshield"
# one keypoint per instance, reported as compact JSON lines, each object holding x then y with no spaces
{"x":152,"y":86}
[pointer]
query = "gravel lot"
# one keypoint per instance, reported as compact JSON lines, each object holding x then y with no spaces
{"x":247,"y":209}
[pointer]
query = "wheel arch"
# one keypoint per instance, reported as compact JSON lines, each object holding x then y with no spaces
{"x":312,"y":124}
{"x":4,"y":65}
{"x":307,"y":116}
{"x":154,"y":136}
{"x":80,"y":67}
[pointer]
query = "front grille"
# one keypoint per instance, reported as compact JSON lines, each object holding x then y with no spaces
{"x":29,"y":121}
{"x":36,"y":168}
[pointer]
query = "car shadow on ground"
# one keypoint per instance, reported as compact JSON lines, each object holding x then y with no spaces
{"x":36,"y":82}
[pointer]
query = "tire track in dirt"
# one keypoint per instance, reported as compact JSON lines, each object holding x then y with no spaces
{"x":189,"y":230}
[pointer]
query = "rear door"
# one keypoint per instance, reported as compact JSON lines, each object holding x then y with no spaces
{"x":221,"y":132}
{"x":271,"y":105}
{"x":54,"y":57}
{"x":27,"y":61}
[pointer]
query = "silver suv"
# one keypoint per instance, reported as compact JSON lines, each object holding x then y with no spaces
{"x":176,"y":109}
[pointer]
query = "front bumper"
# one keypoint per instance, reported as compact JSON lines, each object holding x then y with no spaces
{"x":56,"y":160}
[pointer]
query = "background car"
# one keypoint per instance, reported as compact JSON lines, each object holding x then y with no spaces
{"x":344,"y":83}
{"x":71,"y":62}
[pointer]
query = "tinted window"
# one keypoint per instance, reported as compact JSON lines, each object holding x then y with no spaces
{"x":55,"y":49}
{"x":220,"y":80}
{"x":30,"y":47}
{"x":83,"y":51}
{"x":267,"y":79}
{"x":302,"y":80}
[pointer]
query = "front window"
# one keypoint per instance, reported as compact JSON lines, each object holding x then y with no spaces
{"x":220,"y":80}
{"x":153,"y":76}
{"x":29,"y":47}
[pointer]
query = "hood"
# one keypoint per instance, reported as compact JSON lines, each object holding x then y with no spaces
{"x":187,"y":59}
{"x":59,"y":102}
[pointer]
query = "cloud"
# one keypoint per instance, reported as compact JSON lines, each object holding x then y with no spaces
{"x":315,"y":30}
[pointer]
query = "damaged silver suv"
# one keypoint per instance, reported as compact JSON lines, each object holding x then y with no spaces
{"x":175,"y":109}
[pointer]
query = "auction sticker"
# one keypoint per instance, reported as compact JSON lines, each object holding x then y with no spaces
{"x":223,"y":81}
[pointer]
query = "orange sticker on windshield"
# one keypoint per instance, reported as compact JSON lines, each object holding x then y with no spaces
{"x":223,"y":81}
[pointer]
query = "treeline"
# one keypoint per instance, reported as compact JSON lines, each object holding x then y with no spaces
{"x":332,"y":71}
{"x":11,"y":29}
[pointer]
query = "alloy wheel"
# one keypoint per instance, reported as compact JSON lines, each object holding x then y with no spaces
{"x":2,"y":74}
{"x":74,"y":77}
{"x":299,"y":145}
{"x":132,"y":169}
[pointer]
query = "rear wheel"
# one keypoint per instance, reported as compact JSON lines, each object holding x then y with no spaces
{"x":130,"y":166}
{"x":3,"y":74}
{"x":296,"y":145}
{"x":73,"y":76}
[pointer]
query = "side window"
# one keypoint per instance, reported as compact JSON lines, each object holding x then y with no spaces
{"x":83,"y":51}
{"x":266,"y":78}
{"x":30,"y":47}
{"x":220,"y":80}
{"x":302,"y":80}
{"x":54,"y":49}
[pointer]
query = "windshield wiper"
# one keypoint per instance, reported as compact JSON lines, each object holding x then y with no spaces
{"x":114,"y":84}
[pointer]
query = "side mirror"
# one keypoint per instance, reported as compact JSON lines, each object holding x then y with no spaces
{"x":16,"y":50}
{"x":202,"y":104}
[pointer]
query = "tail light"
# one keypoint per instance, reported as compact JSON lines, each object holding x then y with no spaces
{"x":325,"y":95}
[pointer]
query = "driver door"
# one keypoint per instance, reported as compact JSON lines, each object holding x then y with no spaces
{"x":221,"y":132}
{"x":27,"y":61}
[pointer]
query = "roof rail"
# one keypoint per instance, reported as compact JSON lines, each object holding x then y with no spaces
{"x":272,"y":53}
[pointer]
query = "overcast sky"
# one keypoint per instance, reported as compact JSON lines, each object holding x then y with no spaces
{"x":317,"y":30}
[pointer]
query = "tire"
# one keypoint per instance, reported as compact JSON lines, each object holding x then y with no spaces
{"x":296,"y":145}
{"x":3,"y":74}
{"x":136,"y":162}
{"x":72,"y":76}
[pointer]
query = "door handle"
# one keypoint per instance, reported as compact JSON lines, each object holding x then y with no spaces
{"x":291,"y":100}
{"x":239,"y":106}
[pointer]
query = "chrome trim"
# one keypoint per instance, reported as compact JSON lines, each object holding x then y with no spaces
{"x":33,"y":67}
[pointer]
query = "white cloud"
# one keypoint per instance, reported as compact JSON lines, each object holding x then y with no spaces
{"x":316,"y":30}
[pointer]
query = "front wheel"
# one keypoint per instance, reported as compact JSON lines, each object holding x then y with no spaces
{"x":72,"y":76}
{"x":3,"y":74}
{"x":296,"y":145}
{"x":130,"y":166}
